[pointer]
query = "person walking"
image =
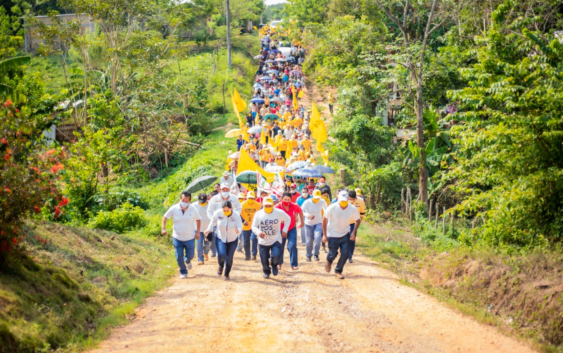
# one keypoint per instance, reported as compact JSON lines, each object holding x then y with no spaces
{"x":217,"y":201}
{"x":227,"y":178}
{"x":185,"y":230}
{"x":313,"y":209}
{"x":360,"y":204}
{"x":292,"y":210}
{"x":249,"y":209}
{"x":203,"y":243}
{"x":229,"y":225}
{"x":267,"y":225}
{"x":337,"y":233}
{"x":331,"y":103}
{"x":300,"y":200}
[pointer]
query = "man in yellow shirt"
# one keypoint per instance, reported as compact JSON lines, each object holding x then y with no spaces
{"x":306,"y":142}
{"x":360,"y":204}
{"x":265,"y":156}
{"x":249,"y":209}
{"x":292,"y":144}
{"x":283,"y":146}
{"x":280,"y":160}
{"x":302,"y":154}
{"x":297,"y":122}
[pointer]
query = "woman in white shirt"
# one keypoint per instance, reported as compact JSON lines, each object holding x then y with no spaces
{"x":229,"y":226}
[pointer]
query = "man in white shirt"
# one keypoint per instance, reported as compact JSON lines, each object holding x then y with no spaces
{"x":185,"y":229}
{"x":203,"y":244}
{"x":216,"y":201}
{"x":336,"y":231}
{"x":266,"y":224}
{"x":227,"y":178}
{"x":313,"y":209}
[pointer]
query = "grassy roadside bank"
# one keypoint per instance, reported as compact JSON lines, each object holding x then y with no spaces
{"x":521,"y":294}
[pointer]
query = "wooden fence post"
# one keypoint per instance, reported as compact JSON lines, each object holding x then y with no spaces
{"x":342,"y":178}
{"x":402,"y":201}
{"x":444,"y":221}
{"x":430,"y":210}
{"x":437,"y":214}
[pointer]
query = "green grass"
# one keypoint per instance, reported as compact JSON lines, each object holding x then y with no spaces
{"x":68,"y":292}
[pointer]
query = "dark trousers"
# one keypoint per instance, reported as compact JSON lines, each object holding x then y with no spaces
{"x":270,"y":254}
{"x":342,"y":243}
{"x":282,"y":154}
{"x":226,"y":254}
{"x":248,"y":238}
{"x":352,"y":245}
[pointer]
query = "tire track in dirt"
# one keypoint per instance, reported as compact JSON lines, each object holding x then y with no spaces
{"x":300,"y":311}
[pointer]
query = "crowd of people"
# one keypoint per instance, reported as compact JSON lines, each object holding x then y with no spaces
{"x":233,"y":218}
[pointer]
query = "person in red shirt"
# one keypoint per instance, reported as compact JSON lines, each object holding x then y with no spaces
{"x":293,"y":210}
{"x":263,"y":195}
{"x":294,"y":193}
{"x":311,"y":186}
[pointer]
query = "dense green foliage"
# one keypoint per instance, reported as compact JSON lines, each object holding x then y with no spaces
{"x":491,"y":115}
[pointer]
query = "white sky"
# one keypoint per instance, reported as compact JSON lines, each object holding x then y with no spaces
{"x":272,"y":2}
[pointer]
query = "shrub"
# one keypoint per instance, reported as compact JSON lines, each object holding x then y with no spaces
{"x":123,"y":219}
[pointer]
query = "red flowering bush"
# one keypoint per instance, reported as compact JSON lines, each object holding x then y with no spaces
{"x":29,"y":171}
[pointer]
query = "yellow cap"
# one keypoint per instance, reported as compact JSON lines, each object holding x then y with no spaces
{"x":359,"y":191}
{"x":268,"y":201}
{"x":317,"y":194}
{"x":250,"y":195}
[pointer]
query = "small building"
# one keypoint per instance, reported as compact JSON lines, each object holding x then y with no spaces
{"x":32,"y":39}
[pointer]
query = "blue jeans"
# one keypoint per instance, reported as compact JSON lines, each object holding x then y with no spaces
{"x":314,"y":235}
{"x":352,"y":242}
{"x":342,"y":243}
{"x":303,"y":236}
{"x":270,"y":254}
{"x":226,"y":254}
{"x":291,"y":247}
{"x":181,"y":246}
{"x":213,"y":243}
{"x":203,"y":247}
{"x":249,"y":237}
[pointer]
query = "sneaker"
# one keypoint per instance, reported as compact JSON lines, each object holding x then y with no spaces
{"x":215,"y":255}
{"x":183,"y":276}
{"x":220,"y":271}
{"x":350,"y":261}
{"x":295,"y":268}
{"x":189,"y":265}
{"x":316,"y":257}
{"x":324,"y":249}
{"x":226,"y":278}
{"x":339,"y":275}
{"x":275,"y":271}
{"x":206,"y":257}
{"x":200,"y":263}
{"x":303,"y":244}
{"x":247,"y":259}
{"x":266,"y":276}
{"x":253,"y":257}
{"x":239,"y":250}
{"x":308,"y":258}
{"x":328,"y":265}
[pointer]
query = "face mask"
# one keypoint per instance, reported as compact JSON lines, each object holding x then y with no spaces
{"x":321,"y":185}
{"x":203,"y":203}
{"x":228,"y":213}
{"x":316,"y":200}
{"x":305,"y":195}
{"x":268,"y":209}
{"x":292,"y":191}
{"x":286,"y":204}
{"x":343,"y":204}
{"x":184,"y":204}
{"x":225,"y":194}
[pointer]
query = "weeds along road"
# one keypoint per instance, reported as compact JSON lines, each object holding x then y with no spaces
{"x":300,"y":311}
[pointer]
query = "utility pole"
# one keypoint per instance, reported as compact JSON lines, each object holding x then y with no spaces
{"x":228,"y":13}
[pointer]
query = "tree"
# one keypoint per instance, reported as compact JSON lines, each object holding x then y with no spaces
{"x":407,"y":17}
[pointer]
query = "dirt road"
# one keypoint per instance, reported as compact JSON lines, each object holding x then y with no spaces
{"x":300,"y":311}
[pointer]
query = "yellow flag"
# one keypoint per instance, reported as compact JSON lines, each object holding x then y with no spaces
{"x":317,"y":126}
{"x":239,"y":102}
{"x":246,"y":163}
{"x":301,"y":94}
{"x":295,"y":106}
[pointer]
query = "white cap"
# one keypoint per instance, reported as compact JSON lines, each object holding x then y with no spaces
{"x":343,"y":196}
{"x":225,"y":185}
{"x":225,"y":173}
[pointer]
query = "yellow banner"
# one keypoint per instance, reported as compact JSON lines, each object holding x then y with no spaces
{"x":246,"y":163}
{"x":317,"y":126}
{"x":239,"y":102}
{"x":295,"y":106}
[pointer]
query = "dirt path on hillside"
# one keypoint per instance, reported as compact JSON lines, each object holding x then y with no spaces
{"x":300,"y":311}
